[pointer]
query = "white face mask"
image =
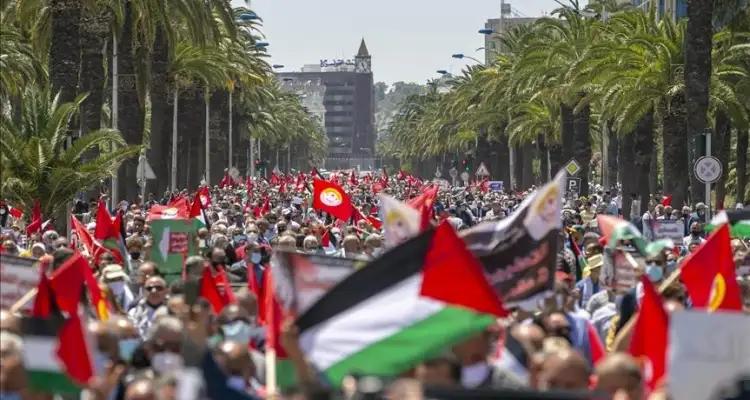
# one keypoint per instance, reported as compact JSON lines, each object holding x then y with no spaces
{"x":255,"y":258}
{"x":237,"y":383}
{"x":237,"y":331}
{"x":117,"y":287}
{"x":165,"y":361}
{"x":252,"y":237}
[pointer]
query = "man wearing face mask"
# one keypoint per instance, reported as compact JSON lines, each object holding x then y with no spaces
{"x":632,"y":299}
{"x":142,"y":314}
{"x":237,"y":325}
{"x":117,"y":281}
{"x":164,"y":346}
{"x":695,"y":236}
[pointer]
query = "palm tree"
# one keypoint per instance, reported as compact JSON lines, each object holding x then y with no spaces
{"x":554,"y":55}
{"x":697,"y":76}
{"x":38,"y":164}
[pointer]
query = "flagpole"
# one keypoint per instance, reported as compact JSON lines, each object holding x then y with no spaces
{"x":271,"y":388}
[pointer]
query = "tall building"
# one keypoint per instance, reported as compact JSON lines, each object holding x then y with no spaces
{"x":348,"y":106}
{"x":492,"y":44}
{"x":674,"y":9}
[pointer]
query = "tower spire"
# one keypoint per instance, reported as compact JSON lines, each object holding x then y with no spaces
{"x":363,"y":49}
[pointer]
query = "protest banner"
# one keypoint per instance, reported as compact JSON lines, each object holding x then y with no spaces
{"x":704,"y":360}
{"x":18,"y":276}
{"x":625,"y":274}
{"x":669,"y":229}
{"x":301,"y":279}
{"x":174,"y":241}
{"x":519,"y":253}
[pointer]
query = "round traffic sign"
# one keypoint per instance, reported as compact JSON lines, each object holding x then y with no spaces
{"x":708,"y":169}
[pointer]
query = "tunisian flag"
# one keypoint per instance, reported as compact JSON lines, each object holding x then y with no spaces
{"x":331,"y":198}
{"x":708,"y":274}
{"x":423,"y":203}
{"x":651,"y":336}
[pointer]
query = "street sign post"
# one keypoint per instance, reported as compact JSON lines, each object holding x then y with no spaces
{"x":482,"y":170}
{"x":708,"y":169}
{"x":465,"y":178}
{"x":572,"y":167}
{"x":573,"y":188}
{"x":144,"y":173}
{"x":453,"y":172}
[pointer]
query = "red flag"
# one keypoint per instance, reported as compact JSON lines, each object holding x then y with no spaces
{"x":104,"y":229}
{"x":709,"y":274}
{"x":273,"y":316}
{"x":376,"y":223}
{"x":98,"y":300}
{"x":274,"y":179}
{"x":315,"y":173}
{"x":353,"y":179}
{"x":666,"y":200}
{"x":73,"y":350}
{"x":226,"y":180}
{"x":67,"y":282}
{"x":331,"y":198}
{"x":266,"y":208}
{"x":423,"y":203}
{"x":650,"y":338}
{"x":15,"y":212}
{"x":282,"y":188}
{"x":83,"y":235}
{"x":205,"y":196}
{"x":216,"y":289}
{"x":36,"y":219}
{"x":401,"y":175}
{"x":301,"y":182}
{"x":44,"y":297}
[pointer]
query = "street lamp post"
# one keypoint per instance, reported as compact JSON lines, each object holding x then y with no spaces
{"x":462,"y":56}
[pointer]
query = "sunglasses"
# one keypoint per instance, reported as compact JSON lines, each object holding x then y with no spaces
{"x":154,"y":288}
{"x":172,"y":347}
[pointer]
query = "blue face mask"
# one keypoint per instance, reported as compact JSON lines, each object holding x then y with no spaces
{"x":127,"y":348}
{"x":255,"y":258}
{"x":237,"y":331}
{"x":654,"y":272}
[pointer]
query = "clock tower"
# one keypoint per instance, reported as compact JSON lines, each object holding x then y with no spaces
{"x":362,"y":61}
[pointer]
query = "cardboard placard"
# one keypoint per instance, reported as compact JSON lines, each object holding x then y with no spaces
{"x":18,"y":275}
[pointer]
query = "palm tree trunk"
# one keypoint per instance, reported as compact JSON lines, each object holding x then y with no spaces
{"x":161,"y":113}
{"x":218,"y":127}
{"x":191,"y":117}
{"x":131,"y":110}
{"x":94,"y":34}
{"x":612,"y":161}
{"x":65,"y":48}
{"x":698,"y":37}
{"x":643,"y":148}
{"x":567,"y":128}
{"x":556,"y":158}
{"x":741,"y":165}
{"x":582,"y":146}
{"x":723,"y":138}
{"x":542,"y":151}
{"x":518,"y":167}
{"x":527,"y":172}
{"x":625,"y":166}
{"x":675,"y":158}
{"x":500,"y":166}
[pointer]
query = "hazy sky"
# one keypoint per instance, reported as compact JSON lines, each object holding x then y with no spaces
{"x":408,"y":39}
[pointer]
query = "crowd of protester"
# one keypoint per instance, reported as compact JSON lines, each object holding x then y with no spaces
{"x":157,"y":343}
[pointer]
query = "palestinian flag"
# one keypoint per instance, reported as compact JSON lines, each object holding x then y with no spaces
{"x":738,"y":220}
{"x":406,"y":306}
{"x":56,"y":354}
{"x":108,"y":233}
{"x":616,"y":229}
{"x":198,"y":214}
